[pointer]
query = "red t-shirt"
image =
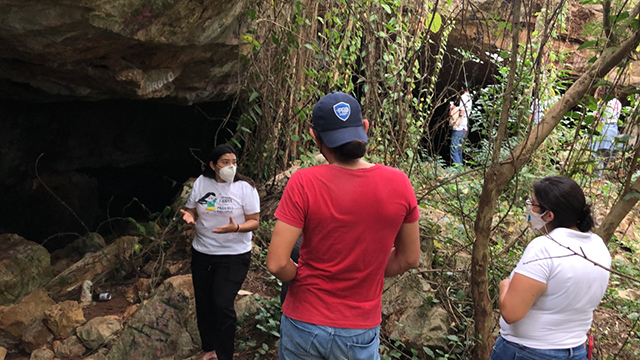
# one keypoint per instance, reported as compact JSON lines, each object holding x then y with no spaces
{"x":349,"y":221}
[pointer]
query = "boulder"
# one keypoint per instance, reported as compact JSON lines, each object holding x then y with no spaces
{"x":407,"y":316}
{"x":67,"y":285}
{"x":246,"y":306}
{"x":164,"y":326}
{"x":42,"y":354}
{"x":35,"y":336}
{"x":63,"y":318}
{"x":72,"y":253}
{"x":3,"y":353}
{"x":69,"y":348}
{"x":24,"y":267}
{"x":15,"y":319}
{"x":100,"y":355}
{"x":98,"y":331}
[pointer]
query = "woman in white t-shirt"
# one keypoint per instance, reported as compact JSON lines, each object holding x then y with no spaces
{"x":225,"y":208}
{"x":547,"y":304}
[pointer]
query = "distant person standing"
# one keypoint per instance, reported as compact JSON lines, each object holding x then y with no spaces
{"x":607,"y":120}
{"x":459,"y":130}
{"x":539,"y":107}
{"x":359,"y":223}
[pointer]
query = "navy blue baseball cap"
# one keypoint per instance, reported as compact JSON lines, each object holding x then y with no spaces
{"x":338,"y":119}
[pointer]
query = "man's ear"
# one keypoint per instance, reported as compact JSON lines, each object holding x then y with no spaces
{"x":212,"y":165}
{"x":549,"y":216}
{"x":365,"y":122}
{"x":313,"y":134}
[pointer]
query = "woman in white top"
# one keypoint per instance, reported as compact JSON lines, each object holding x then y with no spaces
{"x":547,"y":304}
{"x":225,"y":208}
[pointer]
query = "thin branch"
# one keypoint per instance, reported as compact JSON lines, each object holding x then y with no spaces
{"x":575,"y":253}
{"x":56,"y":196}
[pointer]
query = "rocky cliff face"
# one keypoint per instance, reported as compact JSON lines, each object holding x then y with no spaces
{"x":183,"y":51}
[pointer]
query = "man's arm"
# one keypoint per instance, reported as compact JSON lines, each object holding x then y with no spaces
{"x":279,"y":261}
{"x":405,"y":254}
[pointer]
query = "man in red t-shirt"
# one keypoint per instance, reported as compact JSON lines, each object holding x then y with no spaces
{"x":359,"y":223}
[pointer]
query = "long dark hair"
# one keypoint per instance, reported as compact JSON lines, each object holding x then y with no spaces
{"x":215,"y":155}
{"x":565,"y":198}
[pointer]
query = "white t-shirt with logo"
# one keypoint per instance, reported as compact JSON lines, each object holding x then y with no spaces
{"x":562,"y":315}
{"x":214,"y":203}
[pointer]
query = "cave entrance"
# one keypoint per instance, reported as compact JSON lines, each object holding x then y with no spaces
{"x":103,"y":159}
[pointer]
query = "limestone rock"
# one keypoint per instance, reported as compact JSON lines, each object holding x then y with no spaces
{"x":100,"y":355}
{"x":14,"y":320}
{"x":3,"y":353}
{"x":35,"y":336}
{"x":181,"y":50}
{"x":407,"y":317}
{"x":63,"y":318}
{"x":69,"y":348}
{"x":70,"y":254}
{"x":98,"y":331}
{"x":164,"y":326}
{"x":67,"y":284}
{"x":42,"y":354}
{"x":24,"y":267}
{"x":246,"y":306}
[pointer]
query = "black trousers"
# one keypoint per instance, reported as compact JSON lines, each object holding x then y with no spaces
{"x":216,"y":281}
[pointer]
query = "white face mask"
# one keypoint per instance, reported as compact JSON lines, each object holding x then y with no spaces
{"x":227,"y":173}
{"x":535,"y":220}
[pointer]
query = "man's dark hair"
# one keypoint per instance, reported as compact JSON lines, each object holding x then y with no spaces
{"x":348,"y":152}
{"x":566,"y":200}
{"x":215,"y":155}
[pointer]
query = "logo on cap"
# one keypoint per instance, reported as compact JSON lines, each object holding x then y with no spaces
{"x":342,"y":110}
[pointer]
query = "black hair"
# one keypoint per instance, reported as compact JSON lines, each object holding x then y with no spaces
{"x":215,"y":155}
{"x":346,"y":153}
{"x":565,"y":198}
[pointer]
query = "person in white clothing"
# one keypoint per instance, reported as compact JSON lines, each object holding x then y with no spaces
{"x":459,"y":132}
{"x":225,"y":208}
{"x":547,"y":304}
{"x":607,"y":117}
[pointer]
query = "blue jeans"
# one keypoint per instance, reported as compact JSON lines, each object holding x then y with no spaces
{"x":457,"y":138}
{"x":507,"y":350}
{"x":301,"y":340}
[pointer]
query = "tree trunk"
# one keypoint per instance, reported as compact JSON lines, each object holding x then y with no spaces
{"x":498,"y":176}
{"x":490,"y":191}
{"x":618,"y":211}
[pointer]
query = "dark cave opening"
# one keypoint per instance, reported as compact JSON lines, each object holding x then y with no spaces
{"x":104,"y":159}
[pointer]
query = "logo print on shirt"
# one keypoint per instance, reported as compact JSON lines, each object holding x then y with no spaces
{"x":209,"y":199}
{"x":342,"y":110}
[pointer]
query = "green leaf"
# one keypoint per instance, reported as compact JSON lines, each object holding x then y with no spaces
{"x":295,"y":137}
{"x":587,"y":44}
{"x":436,"y":22}
{"x":386,"y":8}
{"x":250,"y":40}
{"x":428,"y":351}
{"x":139,"y":227}
{"x":253,"y":96}
{"x":453,"y":338}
